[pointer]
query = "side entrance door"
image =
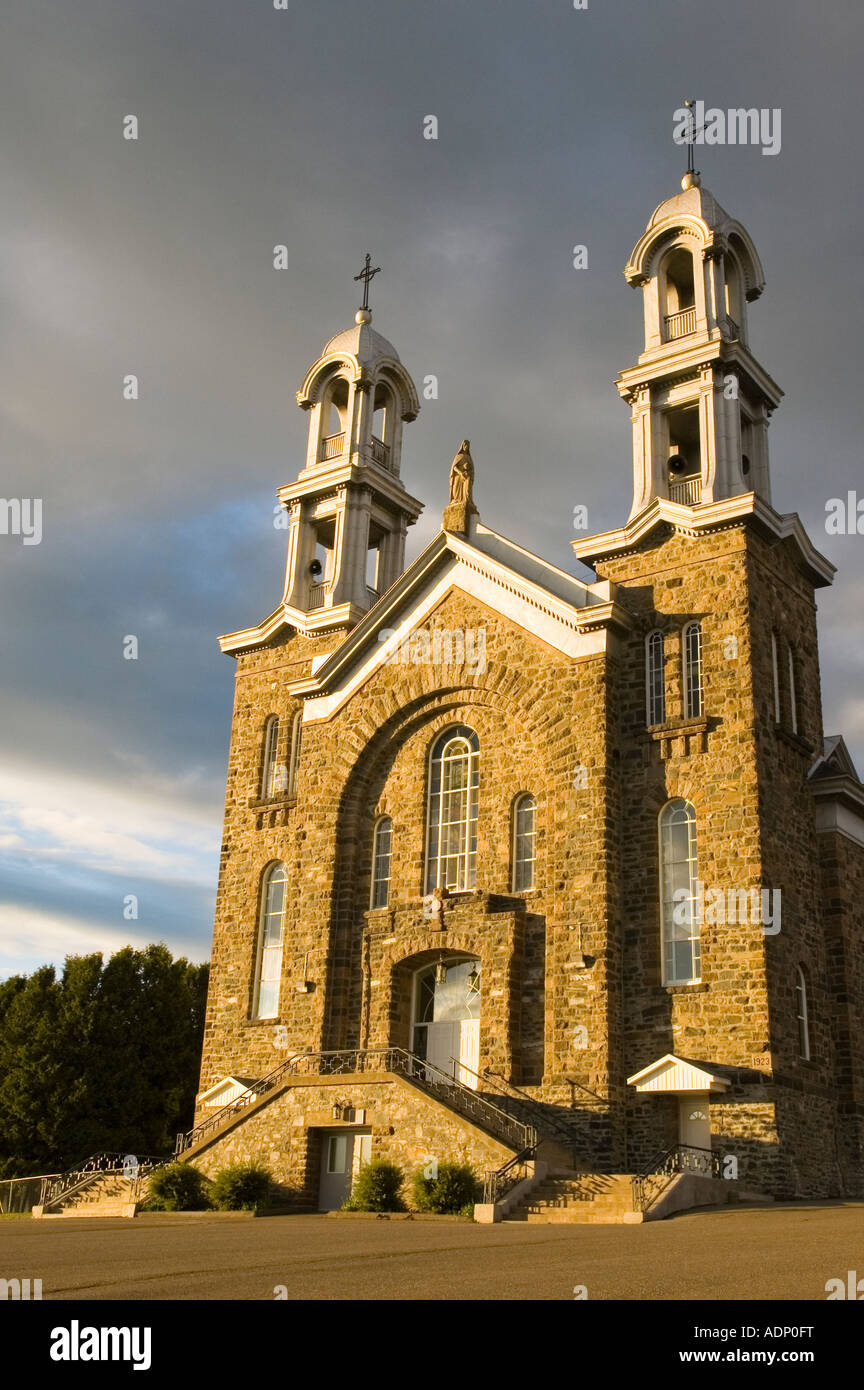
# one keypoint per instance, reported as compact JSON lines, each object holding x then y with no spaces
{"x":694,"y":1121}
{"x":343,"y":1153}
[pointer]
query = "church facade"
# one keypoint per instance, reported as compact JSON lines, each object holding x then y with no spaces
{"x":520,"y":864}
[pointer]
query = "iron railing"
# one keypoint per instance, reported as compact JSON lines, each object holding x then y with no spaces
{"x":466,"y":1102}
{"x":496,"y":1185}
{"x":23,"y":1194}
{"x":683,"y":1158}
{"x":543,"y":1118}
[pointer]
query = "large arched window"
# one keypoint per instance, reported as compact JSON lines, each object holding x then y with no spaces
{"x":678,"y":893}
{"x":524,"y":843}
{"x":382,"y":855}
{"x":691,"y":643}
{"x":775,"y":672}
{"x":655,"y":678}
{"x":451,"y":847}
{"x":271,"y":936}
{"x":272,"y":772}
{"x":802,"y":1014}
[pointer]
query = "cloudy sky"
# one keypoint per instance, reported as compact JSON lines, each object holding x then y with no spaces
{"x":304,"y":126}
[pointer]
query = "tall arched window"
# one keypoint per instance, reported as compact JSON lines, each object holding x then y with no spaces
{"x":271,"y":935}
{"x":678,"y":897}
{"x":382,"y":854}
{"x":524,"y":843}
{"x":691,"y":641}
{"x":272,"y":772}
{"x":294,"y":760}
{"x":801,"y":1011}
{"x":793,"y":691}
{"x":775,"y":672}
{"x":451,"y":849}
{"x":655,"y":678}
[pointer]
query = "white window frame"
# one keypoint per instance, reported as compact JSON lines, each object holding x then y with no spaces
{"x":380,"y":880}
{"x":802,"y":1014}
{"x":694,"y":681}
{"x":294,"y":761}
{"x":465,"y":747}
{"x":522,"y":861}
{"x":655,"y":678}
{"x":268,"y":964}
{"x":270,"y":769}
{"x":669,"y":928}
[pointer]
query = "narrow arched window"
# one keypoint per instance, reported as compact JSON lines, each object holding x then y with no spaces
{"x":272,"y":772}
{"x":793,"y":691}
{"x":775,"y":672}
{"x":451,"y":847}
{"x":801,"y":1010}
{"x":382,"y":856}
{"x":679,"y":900}
{"x":294,"y":760}
{"x":524,"y":843}
{"x":655,"y":678}
{"x":271,"y":935}
{"x":691,"y":640}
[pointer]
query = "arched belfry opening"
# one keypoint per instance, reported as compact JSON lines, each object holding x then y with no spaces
{"x":679,"y":302}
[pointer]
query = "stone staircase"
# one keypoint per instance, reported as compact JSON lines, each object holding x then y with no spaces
{"x":103,"y":1194}
{"x":565,"y":1197}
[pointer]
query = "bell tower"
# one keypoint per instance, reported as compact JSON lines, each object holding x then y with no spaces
{"x":349,"y":509}
{"x":699,"y":400}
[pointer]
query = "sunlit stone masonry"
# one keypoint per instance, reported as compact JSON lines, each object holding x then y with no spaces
{"x":557,"y":876}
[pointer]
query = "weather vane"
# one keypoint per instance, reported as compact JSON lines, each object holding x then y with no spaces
{"x":366,"y":275}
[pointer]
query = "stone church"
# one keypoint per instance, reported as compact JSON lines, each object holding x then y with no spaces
{"x":558,"y":876}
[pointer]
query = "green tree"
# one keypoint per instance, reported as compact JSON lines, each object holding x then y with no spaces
{"x":106,"y":1057}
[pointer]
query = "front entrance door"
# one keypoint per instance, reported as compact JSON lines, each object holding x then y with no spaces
{"x":447,"y":1018}
{"x":343,"y":1153}
{"x":694,"y":1121}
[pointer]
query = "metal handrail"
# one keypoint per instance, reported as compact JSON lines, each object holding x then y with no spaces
{"x":497,"y":1184}
{"x":542,"y":1118}
{"x":469,"y":1103}
{"x":681,"y":1158}
{"x":64,"y":1184}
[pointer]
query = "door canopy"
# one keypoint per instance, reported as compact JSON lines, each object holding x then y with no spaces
{"x":674,"y":1075}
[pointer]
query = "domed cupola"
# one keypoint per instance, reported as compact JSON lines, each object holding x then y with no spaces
{"x":349,"y":509}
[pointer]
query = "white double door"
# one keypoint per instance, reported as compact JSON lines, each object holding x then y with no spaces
{"x":454,"y":1047}
{"x":343,"y":1153}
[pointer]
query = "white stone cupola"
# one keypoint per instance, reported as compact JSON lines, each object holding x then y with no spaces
{"x":349,"y":509}
{"x":699,"y":400}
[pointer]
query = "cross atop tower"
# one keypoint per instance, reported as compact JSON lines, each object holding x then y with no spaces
{"x":366,"y":275}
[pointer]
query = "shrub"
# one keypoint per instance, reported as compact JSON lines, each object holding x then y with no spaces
{"x":176,"y":1187}
{"x":454,"y":1190}
{"x":376,"y":1188}
{"x":240,"y":1187}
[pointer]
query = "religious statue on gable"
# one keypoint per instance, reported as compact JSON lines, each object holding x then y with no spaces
{"x":461,"y":504}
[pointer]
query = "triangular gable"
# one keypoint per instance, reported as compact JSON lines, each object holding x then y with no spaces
{"x":556,"y":608}
{"x":224,"y":1092}
{"x":836,"y":761}
{"x":674,"y":1074}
